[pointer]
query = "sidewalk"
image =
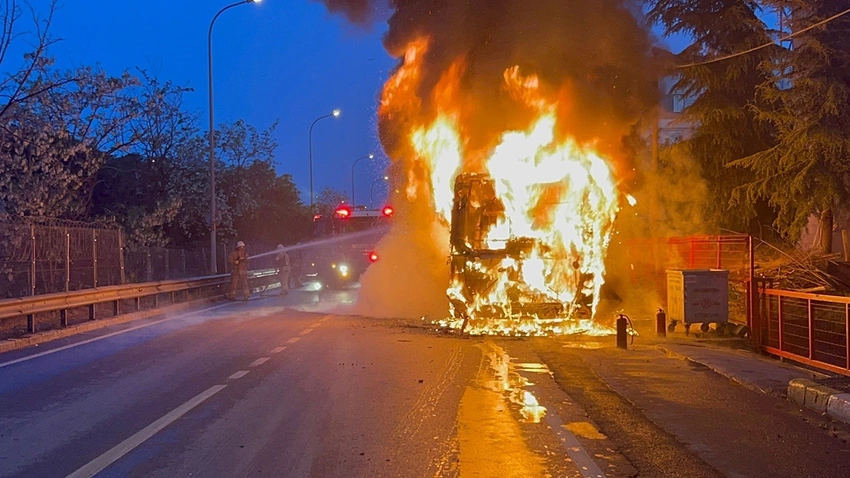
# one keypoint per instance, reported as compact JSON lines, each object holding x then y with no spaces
{"x":732,"y":359}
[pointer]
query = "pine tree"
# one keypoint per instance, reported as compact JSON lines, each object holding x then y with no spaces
{"x":806,"y":100}
{"x":720,"y":94}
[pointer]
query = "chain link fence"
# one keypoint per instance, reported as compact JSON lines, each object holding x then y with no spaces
{"x":42,"y":256}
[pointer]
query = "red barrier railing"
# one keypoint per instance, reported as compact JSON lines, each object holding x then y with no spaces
{"x":809,"y":328}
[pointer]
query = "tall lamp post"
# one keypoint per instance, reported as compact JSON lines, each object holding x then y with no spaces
{"x":372,"y":191}
{"x":333,"y":114}
{"x":213,"y":265}
{"x":368,"y":156}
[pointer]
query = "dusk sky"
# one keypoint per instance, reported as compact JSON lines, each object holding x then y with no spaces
{"x":277,"y":60}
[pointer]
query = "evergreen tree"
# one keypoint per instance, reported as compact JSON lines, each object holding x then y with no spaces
{"x":806,"y":100}
{"x":719,"y":95}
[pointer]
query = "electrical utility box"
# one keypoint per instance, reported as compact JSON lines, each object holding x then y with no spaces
{"x":698,"y":296}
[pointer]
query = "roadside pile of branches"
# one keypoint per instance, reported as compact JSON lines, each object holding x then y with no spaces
{"x":804,"y":271}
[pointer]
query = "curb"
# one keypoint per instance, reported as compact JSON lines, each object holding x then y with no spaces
{"x":49,"y":335}
{"x":820,"y":398}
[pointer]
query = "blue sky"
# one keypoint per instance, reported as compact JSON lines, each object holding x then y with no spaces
{"x":277,"y":60}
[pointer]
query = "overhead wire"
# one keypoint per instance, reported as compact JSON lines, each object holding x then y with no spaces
{"x":785,"y":38}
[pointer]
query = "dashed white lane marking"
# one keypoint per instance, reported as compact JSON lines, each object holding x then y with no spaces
{"x":113,"y":334}
{"x":95,"y":466}
{"x":238,"y":375}
{"x":259,"y":361}
{"x":115,"y":453}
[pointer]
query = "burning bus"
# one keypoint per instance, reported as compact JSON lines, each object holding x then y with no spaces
{"x":356,"y":232}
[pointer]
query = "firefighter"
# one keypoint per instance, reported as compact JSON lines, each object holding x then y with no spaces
{"x":239,"y":272}
{"x":284,"y":266}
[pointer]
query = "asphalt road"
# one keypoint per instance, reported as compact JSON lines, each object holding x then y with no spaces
{"x":288,"y":387}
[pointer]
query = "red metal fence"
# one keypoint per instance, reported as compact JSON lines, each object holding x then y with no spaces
{"x":808,"y":328}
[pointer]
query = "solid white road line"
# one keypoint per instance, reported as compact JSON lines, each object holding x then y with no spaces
{"x":126,"y":446}
{"x":113,"y":334}
{"x":278,"y":350}
{"x":293,"y":340}
{"x":238,"y":375}
{"x":586,"y":466}
{"x":259,"y":361}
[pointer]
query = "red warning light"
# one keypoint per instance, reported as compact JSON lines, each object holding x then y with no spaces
{"x":388,"y":211}
{"x":343,"y":212}
{"x":373,"y":256}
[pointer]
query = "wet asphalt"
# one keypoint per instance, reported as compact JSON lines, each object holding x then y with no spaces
{"x":290,"y":387}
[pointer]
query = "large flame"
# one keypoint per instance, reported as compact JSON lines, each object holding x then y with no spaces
{"x":554,"y":193}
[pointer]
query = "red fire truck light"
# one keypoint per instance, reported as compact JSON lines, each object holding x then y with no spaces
{"x":342,"y":212}
{"x":373,"y":256}
{"x":388,"y":211}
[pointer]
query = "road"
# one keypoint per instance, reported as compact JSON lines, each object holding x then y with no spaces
{"x":285,"y":387}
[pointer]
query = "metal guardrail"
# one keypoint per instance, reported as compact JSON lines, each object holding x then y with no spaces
{"x":809,"y":328}
{"x":63,"y":302}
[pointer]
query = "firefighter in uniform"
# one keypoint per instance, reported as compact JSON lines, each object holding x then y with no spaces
{"x":284,"y":266}
{"x":239,"y":272}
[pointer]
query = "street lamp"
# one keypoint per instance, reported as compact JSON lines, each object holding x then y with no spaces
{"x":213,"y":266}
{"x":368,"y":156}
{"x":372,"y":192}
{"x":333,"y":114}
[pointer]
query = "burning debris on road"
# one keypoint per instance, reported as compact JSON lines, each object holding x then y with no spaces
{"x":506,"y":122}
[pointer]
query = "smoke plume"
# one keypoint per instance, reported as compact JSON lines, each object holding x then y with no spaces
{"x":593,"y":57}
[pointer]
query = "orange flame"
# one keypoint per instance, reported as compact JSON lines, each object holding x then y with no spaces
{"x":556,"y":193}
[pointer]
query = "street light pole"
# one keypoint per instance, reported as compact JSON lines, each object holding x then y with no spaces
{"x":213,"y":265}
{"x":335,"y":114}
{"x":369,"y":156}
{"x":372,"y":191}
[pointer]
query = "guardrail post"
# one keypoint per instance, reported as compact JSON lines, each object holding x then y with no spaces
{"x":63,"y":317}
{"x":116,"y":308}
{"x":32,"y":261}
{"x":31,"y":324}
{"x":138,"y":303}
{"x":67,"y":260}
{"x":92,"y":315}
{"x":121,"y":254}
{"x":149,"y":270}
{"x":94,"y":255}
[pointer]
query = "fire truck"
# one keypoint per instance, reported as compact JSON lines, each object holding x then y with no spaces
{"x":345,"y":245}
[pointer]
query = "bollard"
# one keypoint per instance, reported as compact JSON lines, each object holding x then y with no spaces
{"x":661,"y":323}
{"x":622,"y":334}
